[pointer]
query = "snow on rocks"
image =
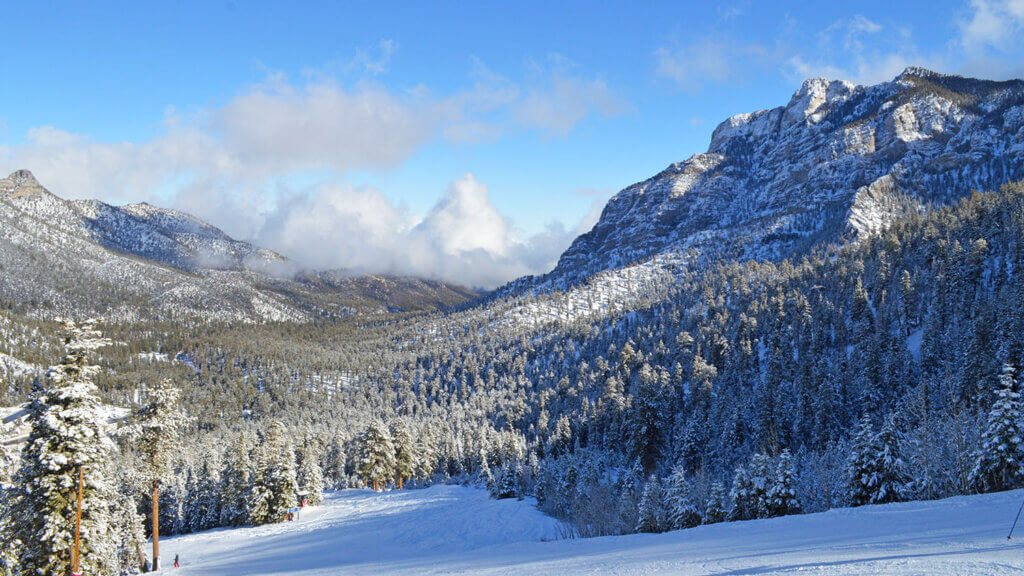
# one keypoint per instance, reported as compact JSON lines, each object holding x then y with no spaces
{"x":838,"y":161}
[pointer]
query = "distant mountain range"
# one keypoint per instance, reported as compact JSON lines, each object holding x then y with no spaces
{"x":142,"y":261}
{"x":835,"y":163}
{"x":839,"y":160}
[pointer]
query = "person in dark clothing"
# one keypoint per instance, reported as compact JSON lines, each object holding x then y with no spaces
{"x":176,"y":565}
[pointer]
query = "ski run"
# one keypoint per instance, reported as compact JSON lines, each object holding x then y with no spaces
{"x":460,"y":530}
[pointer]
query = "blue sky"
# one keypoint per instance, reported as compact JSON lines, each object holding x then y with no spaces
{"x":466,"y":142}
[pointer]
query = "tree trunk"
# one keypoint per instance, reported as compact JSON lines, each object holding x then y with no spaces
{"x":375,"y":488}
{"x":399,"y":481}
{"x":156,"y":524}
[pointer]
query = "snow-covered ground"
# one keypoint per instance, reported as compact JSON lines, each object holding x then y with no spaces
{"x":458,"y":530}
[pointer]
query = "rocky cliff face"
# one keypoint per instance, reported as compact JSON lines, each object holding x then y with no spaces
{"x":836,"y":162}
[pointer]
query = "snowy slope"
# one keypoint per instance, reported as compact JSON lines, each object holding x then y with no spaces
{"x":458,"y":530}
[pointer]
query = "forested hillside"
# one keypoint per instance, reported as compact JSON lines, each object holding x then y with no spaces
{"x":876,"y":371}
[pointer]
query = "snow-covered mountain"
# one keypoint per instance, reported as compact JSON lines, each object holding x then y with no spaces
{"x":139,"y":260}
{"x":168,"y":236}
{"x":838,"y":161}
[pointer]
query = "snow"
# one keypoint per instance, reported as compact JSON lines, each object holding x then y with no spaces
{"x":914,"y":344}
{"x":459,"y":530}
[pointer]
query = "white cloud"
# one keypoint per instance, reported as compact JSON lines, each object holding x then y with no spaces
{"x":233,"y":165}
{"x":376,"y":60}
{"x":710,"y":60}
{"x":857,"y":49}
{"x":561,"y":99}
{"x":991,"y":24}
{"x":284,"y":127}
{"x":462,"y":238}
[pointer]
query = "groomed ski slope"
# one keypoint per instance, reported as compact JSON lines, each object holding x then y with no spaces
{"x":459,"y":530}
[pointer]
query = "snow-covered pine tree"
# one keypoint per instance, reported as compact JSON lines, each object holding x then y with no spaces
{"x":405,"y":457}
{"x":209,"y":496}
{"x":761,"y":477}
{"x":861,"y":465}
{"x":891,"y":481}
{"x":486,"y":477}
{"x":334,"y":466}
{"x":66,"y":443}
{"x":9,"y":546}
{"x":311,"y":476}
{"x":6,"y":491}
{"x":714,"y":510}
{"x":157,"y":427}
{"x":376,"y":456}
{"x":744,"y":502}
{"x":781,"y":497}
{"x":235,"y":484}
{"x":280,"y":472}
{"x":508,"y":481}
{"x":652,"y":514}
{"x":682,"y":513}
{"x":258,"y":496}
{"x":1000,"y":461}
{"x":127,"y":528}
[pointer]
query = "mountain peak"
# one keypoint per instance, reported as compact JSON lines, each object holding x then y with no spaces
{"x":837,"y":161}
{"x":919,"y":72}
{"x":20,"y":183}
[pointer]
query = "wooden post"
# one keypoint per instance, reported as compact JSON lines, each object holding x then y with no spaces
{"x":78,"y":522}
{"x":156,"y":524}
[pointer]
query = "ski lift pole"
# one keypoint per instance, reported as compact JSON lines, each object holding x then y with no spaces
{"x":78,"y":523}
{"x":1010,"y":535}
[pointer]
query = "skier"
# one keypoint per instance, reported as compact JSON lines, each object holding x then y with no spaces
{"x":176,"y":565}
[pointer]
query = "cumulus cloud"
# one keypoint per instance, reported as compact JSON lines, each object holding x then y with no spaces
{"x":991,"y":24}
{"x":462,"y":238}
{"x":284,"y":127}
{"x":990,"y":37}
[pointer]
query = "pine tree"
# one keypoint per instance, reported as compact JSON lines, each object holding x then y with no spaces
{"x":762,"y":476}
{"x":157,"y":427}
{"x":860,"y":468}
{"x":891,"y":481}
{"x":508,"y":481}
{"x":9,"y":545}
{"x":781,"y":496}
{"x":404,"y":452}
{"x":127,"y":528}
{"x":652,"y":515}
{"x":744,"y":497}
{"x":682,"y":513}
{"x":377,"y":456}
{"x":714,"y":510}
{"x":280,"y":472}
{"x":274,"y":486}
{"x":235,"y":487}
{"x":1000,"y":460}
{"x":335,"y":465}
{"x":311,"y":476}
{"x":66,"y":445}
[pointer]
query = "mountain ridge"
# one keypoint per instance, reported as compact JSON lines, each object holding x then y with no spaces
{"x":836,"y":162}
{"x":139,"y":259}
